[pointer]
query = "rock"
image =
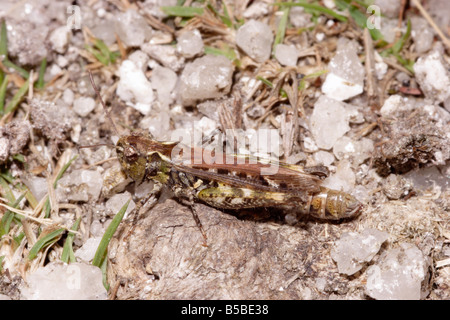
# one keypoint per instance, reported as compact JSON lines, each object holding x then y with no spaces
{"x":132,"y":28}
{"x":401,"y":274}
{"x":87,"y":251}
{"x":164,"y":81}
{"x":433,"y":76}
{"x":117,"y":201}
{"x":357,"y":151}
{"x":58,"y":281}
{"x":299,"y":18}
{"x":59,"y":39}
{"x":165,"y":54}
{"x":395,"y":187}
{"x":346,"y":77}
{"x":206,"y":78}
{"x":389,"y":8}
{"x":343,"y":179}
{"x":38,"y":186}
{"x":190,"y":43}
{"x":329,"y":122}
{"x":255,"y":39}
{"x":134,"y":87}
{"x":79,"y":185}
{"x":83,"y":106}
{"x":354,"y":250}
{"x":286,"y":55}
{"x":422,"y":34}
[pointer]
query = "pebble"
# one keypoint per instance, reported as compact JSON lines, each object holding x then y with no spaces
{"x":401,"y":273}
{"x":79,"y":185}
{"x":287,"y":55}
{"x":134,"y":87}
{"x":190,"y":43}
{"x":433,"y":76}
{"x":83,"y":106}
{"x":164,"y":81}
{"x":132,"y":28}
{"x":59,"y":39}
{"x":329,"y":122}
{"x":207,"y":77}
{"x":357,"y":151}
{"x":60,"y":281}
{"x":346,"y":77}
{"x":255,"y":39}
{"x":354,"y":250}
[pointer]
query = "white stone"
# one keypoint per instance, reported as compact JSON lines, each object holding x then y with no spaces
{"x":346,"y":77}
{"x":83,"y":106}
{"x":206,"y":78}
{"x":255,"y":39}
{"x":422,"y":34}
{"x":353,"y":250}
{"x":324,"y":158}
{"x":400,"y":274}
{"x":58,"y":281}
{"x":287,"y":55}
{"x":433,"y":76}
{"x":140,"y":59}
{"x":79,"y":185}
{"x":393,"y":104}
{"x":355,"y":150}
{"x":87,"y":251}
{"x":165,"y":54}
{"x":190,"y":43}
{"x":68,"y":96}
{"x":389,"y":8}
{"x":343,"y":179}
{"x":329,"y":122}
{"x":134,"y":87}
{"x":132,"y":28}
{"x":339,"y":88}
{"x":256,"y":9}
{"x":38,"y":186}
{"x":164,"y":81}
{"x":117,"y":201}
{"x":59,"y":39}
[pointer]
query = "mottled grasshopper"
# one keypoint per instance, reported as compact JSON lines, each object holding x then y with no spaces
{"x":229,"y":181}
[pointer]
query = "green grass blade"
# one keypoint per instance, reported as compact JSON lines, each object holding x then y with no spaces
{"x":398,"y":45}
{"x":45,"y":241}
{"x":24,"y":73}
{"x":68,"y":254}
{"x":40,"y":83}
{"x":13,"y":104}
{"x":8,"y":217}
{"x":3,"y":40}
{"x":102,"y":249}
{"x":281,"y":29}
{"x":185,"y":12}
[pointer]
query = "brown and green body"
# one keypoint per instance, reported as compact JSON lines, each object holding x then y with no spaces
{"x":229,"y":183}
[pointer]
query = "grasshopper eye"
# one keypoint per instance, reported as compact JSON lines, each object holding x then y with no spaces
{"x":131,"y":153}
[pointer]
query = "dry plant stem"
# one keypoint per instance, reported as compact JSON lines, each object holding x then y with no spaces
{"x":372,"y":85}
{"x":432,"y":23}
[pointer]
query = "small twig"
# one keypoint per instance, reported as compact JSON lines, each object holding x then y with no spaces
{"x":432,"y":23}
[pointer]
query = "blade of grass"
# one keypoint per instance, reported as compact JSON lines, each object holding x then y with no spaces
{"x":45,"y":241}
{"x":68,"y":254}
{"x":314,"y":7}
{"x":23,"y":73}
{"x":3,"y":40}
{"x":40,"y":82}
{"x":398,"y":45}
{"x":7,"y":218}
{"x":3,"y":87}
{"x":12,"y":105}
{"x":179,"y":11}
{"x":281,"y":29}
{"x":102,"y":249}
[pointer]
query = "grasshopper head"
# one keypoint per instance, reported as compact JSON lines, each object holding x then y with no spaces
{"x":143,"y":157}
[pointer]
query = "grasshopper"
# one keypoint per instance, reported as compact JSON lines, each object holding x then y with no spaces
{"x":229,"y":181}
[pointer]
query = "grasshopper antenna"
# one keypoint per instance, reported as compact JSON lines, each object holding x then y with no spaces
{"x":97,"y":92}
